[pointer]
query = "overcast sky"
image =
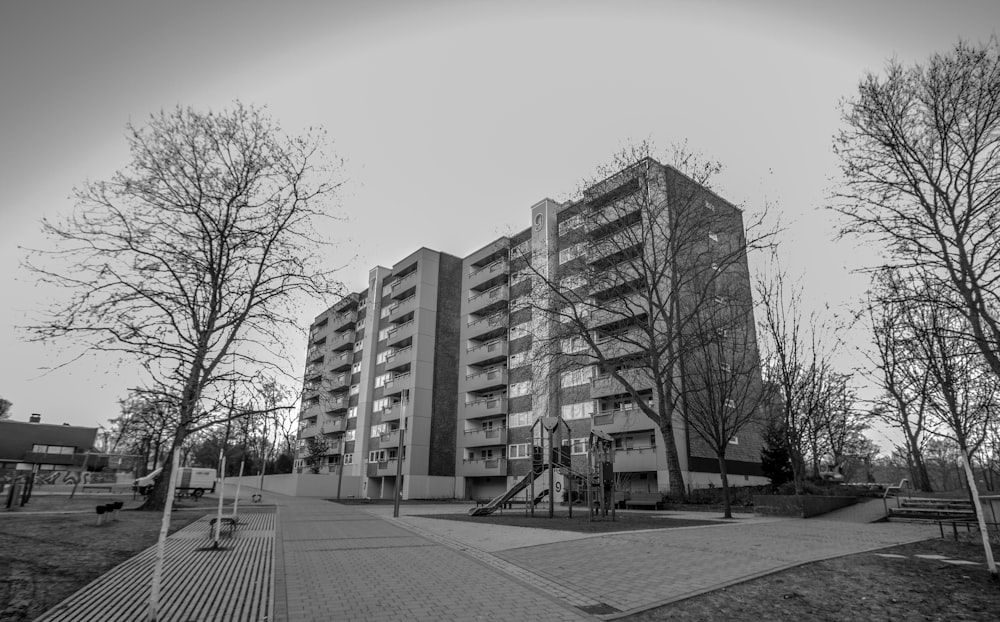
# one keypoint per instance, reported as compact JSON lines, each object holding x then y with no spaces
{"x":454,"y":118}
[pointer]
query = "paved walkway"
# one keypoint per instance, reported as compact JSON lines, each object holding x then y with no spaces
{"x":355,"y":562}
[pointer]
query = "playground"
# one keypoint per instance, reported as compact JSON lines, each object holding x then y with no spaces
{"x":581,"y":523}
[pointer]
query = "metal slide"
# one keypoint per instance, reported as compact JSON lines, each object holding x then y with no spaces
{"x":492,"y":506}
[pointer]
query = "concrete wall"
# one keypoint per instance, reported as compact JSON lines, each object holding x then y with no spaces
{"x":301,"y":484}
{"x":802,"y":506}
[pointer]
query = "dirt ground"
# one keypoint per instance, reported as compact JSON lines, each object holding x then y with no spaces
{"x":45,"y":558}
{"x":855,"y":588}
{"x":562,"y":521}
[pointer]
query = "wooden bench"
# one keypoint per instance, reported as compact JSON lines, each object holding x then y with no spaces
{"x":228,"y":522}
{"x":644,"y":499}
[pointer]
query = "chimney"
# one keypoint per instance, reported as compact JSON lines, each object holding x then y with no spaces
{"x":35,"y":418}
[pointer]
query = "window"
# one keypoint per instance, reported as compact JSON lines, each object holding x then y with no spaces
{"x":51,"y":449}
{"x":350,"y":435}
{"x":377,"y":455}
{"x":576,"y":377}
{"x":720,"y":300}
{"x":352,"y":412}
{"x":734,"y":441}
{"x":520,"y":420}
{"x":715,"y":266}
{"x":379,"y":429}
{"x":579,"y":446}
{"x":730,"y":403}
{"x":381,"y":403}
{"x":381,"y":379}
{"x":722,"y":332}
{"x":709,"y":206}
{"x":385,"y":311}
{"x":572,"y":345}
{"x":361,"y":323}
{"x":354,"y":389}
{"x":382,"y":356}
{"x":348,"y":459}
{"x":726,"y":368}
{"x":359,"y":346}
{"x":519,"y":451}
{"x":580,"y":410}
{"x":356,"y":368}
{"x":383,"y":334}
{"x":517,"y":360}
{"x":520,"y":388}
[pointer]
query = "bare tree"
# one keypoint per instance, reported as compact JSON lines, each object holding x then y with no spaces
{"x":797,"y":363}
{"x":723,"y":392}
{"x":903,"y":381}
{"x":192,"y":261}
{"x":643,"y":247}
{"x":920,"y":154}
{"x":5,"y":406}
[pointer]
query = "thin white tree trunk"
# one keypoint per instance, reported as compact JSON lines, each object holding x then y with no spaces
{"x":154,"y":591}
{"x":979,"y":514}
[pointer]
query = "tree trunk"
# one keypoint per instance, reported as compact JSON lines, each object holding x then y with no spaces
{"x":677,"y":490}
{"x":157,"y":500}
{"x":726,"y":501}
{"x":922,"y":480}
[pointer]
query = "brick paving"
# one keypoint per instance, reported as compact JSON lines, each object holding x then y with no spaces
{"x":340,"y":563}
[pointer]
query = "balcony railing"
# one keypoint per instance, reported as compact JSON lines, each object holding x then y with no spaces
{"x":636,"y":459}
{"x":486,"y":467}
{"x":608,"y":385}
{"x":484,"y":438}
{"x":486,"y":406}
{"x":401,"y":331}
{"x":486,"y":379}
{"x":403,"y":280}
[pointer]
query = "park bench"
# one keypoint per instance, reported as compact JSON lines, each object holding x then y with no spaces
{"x":645,"y":499}
{"x":228,"y":522}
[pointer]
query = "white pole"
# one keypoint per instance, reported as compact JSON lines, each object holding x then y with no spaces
{"x":218,"y":515}
{"x":236,"y":499}
{"x":979,"y":514}
{"x":154,"y":592}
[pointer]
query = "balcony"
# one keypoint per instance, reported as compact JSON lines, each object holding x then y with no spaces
{"x":310,"y":408}
{"x":334,"y":448}
{"x":383,"y":468}
{"x":402,"y":283}
{"x":309,"y":431}
{"x":484,"y":468}
{"x":484,"y":438}
{"x":491,"y":300}
{"x":606,"y":385}
{"x":480,"y":278}
{"x":337,"y":403}
{"x":486,"y":380}
{"x":339,"y":382}
{"x":401,"y":332}
{"x":398,"y":384}
{"x":394,"y":412}
{"x":637,"y":459}
{"x":619,"y":242}
{"x":319,"y":332}
{"x":612,"y":311}
{"x":486,"y":407}
{"x":615,"y":421}
{"x":342,"y":341}
{"x":313,"y":371}
{"x":341,"y":361}
{"x":610,"y":216}
{"x":334,"y":424}
{"x":626,"y":344}
{"x":487,"y":327}
{"x":490,"y":352}
{"x":402,"y":307}
{"x":343,"y":320}
{"x":398,"y":358}
{"x":315,"y":353}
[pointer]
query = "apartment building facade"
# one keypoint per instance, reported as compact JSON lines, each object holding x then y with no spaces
{"x":462,"y":355}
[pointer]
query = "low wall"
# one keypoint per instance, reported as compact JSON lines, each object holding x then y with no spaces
{"x":802,"y":506}
{"x":321,"y":485}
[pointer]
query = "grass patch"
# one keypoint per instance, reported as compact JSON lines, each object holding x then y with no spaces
{"x":856,"y":587}
{"x":45,"y":558}
{"x":561,"y":521}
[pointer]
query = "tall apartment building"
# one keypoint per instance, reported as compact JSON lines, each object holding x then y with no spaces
{"x":458,"y":354}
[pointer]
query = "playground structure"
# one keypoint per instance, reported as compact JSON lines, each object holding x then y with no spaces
{"x":551,"y":456}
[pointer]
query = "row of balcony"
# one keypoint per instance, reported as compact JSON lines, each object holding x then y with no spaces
{"x":625,"y":460}
{"x":490,"y":300}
